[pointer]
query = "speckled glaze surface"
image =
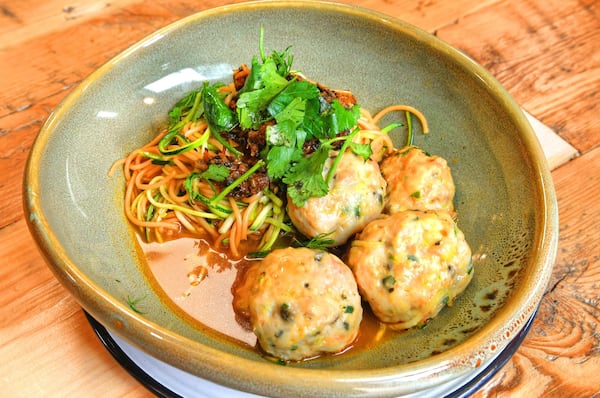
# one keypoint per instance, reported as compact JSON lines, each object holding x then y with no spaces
{"x":505,"y":200}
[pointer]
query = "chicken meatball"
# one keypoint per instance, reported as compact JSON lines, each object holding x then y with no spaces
{"x":417,"y":181}
{"x":409,"y":265}
{"x":355,"y":197}
{"x":301,"y":303}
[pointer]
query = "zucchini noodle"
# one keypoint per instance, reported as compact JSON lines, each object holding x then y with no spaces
{"x":379,"y":139}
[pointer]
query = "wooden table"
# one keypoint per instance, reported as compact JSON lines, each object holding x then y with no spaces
{"x":545,"y":52}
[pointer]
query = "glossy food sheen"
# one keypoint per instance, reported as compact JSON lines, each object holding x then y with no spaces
{"x":410,"y":265}
{"x":417,"y":181}
{"x":356,"y":196}
{"x":301,"y":303}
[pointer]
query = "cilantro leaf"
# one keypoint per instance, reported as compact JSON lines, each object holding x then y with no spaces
{"x":294,"y":112}
{"x":253,"y":81}
{"x":313,"y":122}
{"x":218,"y":115}
{"x":341,"y":119}
{"x":363,"y":150}
{"x":289,"y":113}
{"x":255,"y":97}
{"x":280,"y":159}
{"x":215,"y":172}
{"x":283,"y":61}
{"x":282,"y":134}
{"x":305,"y":178}
{"x":295,"y":90}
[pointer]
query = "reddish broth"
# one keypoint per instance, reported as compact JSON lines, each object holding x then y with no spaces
{"x":197,"y":282}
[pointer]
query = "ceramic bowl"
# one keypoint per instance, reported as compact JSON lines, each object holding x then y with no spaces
{"x":505,"y":200}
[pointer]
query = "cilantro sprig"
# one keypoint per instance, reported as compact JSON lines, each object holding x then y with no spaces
{"x":303,"y":174}
{"x":297,"y":113}
{"x":272,"y":92}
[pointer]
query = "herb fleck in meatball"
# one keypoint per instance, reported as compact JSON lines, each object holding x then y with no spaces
{"x":409,"y":265}
{"x":301,"y":303}
{"x":417,"y":181}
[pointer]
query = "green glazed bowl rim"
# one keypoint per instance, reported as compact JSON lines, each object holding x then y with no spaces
{"x":241,"y":373}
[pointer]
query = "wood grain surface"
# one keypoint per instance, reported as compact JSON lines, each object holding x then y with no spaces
{"x":545,"y":52}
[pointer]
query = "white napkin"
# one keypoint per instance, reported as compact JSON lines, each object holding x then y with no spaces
{"x":556,"y":149}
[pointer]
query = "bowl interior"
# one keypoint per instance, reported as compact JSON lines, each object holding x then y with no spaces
{"x":502,"y":185}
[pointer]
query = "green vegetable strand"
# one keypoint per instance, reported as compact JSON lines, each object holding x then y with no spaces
{"x":261,"y":217}
{"x":226,"y":144}
{"x":338,"y":158}
{"x":273,"y":233}
{"x":217,"y":209}
{"x":261,"y":41}
{"x":410,"y":137}
{"x":171,"y":206}
{"x":390,"y":127}
{"x":174,"y":131}
{"x":237,"y":182}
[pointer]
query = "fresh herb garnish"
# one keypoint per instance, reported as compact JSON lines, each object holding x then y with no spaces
{"x":304,"y":178}
{"x":219,"y":116}
{"x":261,"y":87}
{"x":215,"y":172}
{"x":273,"y":93}
{"x":319,"y":242}
{"x":186,"y":107}
{"x":133,"y":303}
{"x":297,"y":113}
